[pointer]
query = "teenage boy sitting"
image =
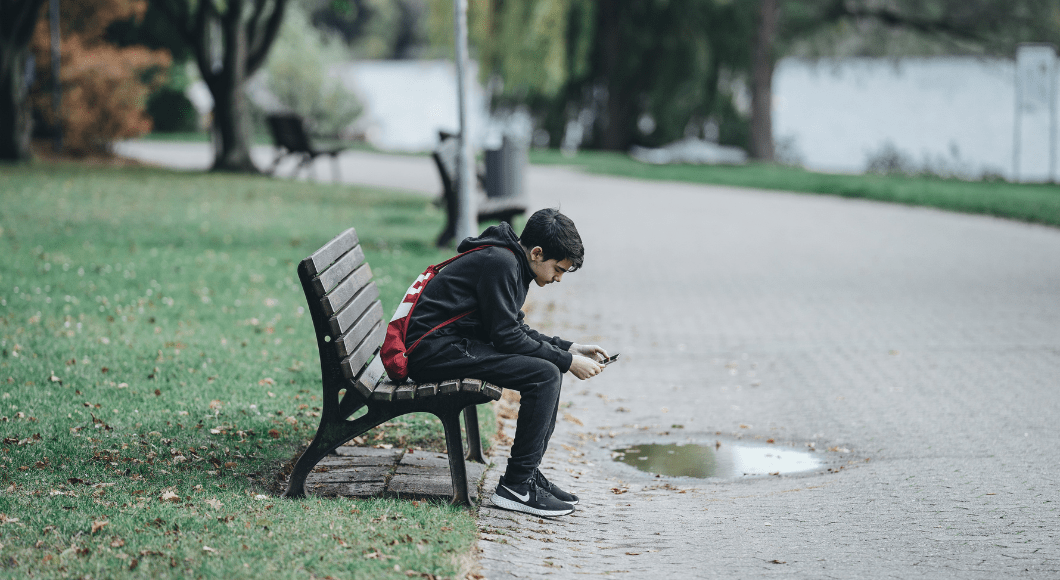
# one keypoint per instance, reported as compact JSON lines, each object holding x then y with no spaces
{"x":493,"y":344}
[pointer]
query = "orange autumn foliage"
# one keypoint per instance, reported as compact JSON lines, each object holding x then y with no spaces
{"x":104,"y":87}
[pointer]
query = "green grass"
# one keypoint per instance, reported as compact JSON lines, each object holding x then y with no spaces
{"x":154,"y":341}
{"x":1032,"y":203}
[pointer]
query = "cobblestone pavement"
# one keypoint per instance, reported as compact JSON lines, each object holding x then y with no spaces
{"x":926,"y":343}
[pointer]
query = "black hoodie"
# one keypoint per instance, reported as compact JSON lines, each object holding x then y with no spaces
{"x":493,"y":282}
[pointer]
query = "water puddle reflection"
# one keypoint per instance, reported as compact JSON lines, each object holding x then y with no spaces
{"x":724,"y":460}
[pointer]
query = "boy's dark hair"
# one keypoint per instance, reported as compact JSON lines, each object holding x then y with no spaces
{"x":556,"y":235}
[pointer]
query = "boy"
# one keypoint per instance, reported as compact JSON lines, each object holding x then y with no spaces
{"x":493,"y":344}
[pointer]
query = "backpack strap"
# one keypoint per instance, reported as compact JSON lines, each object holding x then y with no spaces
{"x":458,"y":316}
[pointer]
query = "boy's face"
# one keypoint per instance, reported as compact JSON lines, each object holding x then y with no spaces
{"x":547,"y":271}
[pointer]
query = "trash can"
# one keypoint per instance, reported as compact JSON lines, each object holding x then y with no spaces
{"x":505,"y":168}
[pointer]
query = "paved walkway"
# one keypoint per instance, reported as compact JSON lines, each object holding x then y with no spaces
{"x":926,"y":343}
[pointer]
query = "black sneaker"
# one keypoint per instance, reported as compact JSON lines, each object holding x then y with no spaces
{"x":551,"y":488}
{"x":528,"y":498}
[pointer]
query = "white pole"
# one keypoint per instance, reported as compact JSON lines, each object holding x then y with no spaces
{"x":467,"y":217}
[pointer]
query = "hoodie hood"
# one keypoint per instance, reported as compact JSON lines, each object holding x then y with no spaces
{"x":500,"y":235}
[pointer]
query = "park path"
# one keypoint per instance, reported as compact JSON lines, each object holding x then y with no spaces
{"x":923,"y":346}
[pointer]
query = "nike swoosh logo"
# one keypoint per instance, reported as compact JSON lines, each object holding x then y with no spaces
{"x":521,"y":497}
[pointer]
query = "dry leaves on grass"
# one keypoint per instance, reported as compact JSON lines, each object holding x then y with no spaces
{"x":169,"y":496}
{"x":214,"y":503}
{"x":4,"y":519}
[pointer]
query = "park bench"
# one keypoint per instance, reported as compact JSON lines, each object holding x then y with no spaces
{"x":500,"y":203}
{"x":349,"y":324}
{"x":291,"y":138}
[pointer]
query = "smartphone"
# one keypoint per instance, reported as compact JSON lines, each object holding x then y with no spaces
{"x":609,"y":360}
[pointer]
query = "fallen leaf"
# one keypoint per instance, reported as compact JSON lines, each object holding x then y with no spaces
{"x":214,"y":503}
{"x":97,"y":525}
{"x":208,"y":549}
{"x":133,"y":564}
{"x":274,"y":433}
{"x":117,"y":543}
{"x":169,"y":496}
{"x":573,"y":419}
{"x":215,"y":404}
{"x":266,"y":381}
{"x":261,"y":496}
{"x":4,"y":519}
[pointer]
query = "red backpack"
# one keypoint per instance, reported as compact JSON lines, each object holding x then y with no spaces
{"x":393,"y":352}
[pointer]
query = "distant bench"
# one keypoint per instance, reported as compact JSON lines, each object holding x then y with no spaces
{"x":290,"y":137}
{"x":502,"y":201}
{"x":349,"y":324}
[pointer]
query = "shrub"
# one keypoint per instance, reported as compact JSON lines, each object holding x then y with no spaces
{"x":171,"y":111}
{"x":104,"y":87}
{"x":297,"y":75}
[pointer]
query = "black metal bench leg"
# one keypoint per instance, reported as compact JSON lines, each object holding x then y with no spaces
{"x":457,"y":470}
{"x":329,"y":437}
{"x":474,"y":440}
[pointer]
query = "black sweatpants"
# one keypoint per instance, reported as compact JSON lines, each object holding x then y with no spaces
{"x":537,"y":380}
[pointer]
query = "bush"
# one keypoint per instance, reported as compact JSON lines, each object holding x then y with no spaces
{"x":104,"y":87}
{"x":172,"y":112}
{"x":297,"y":76}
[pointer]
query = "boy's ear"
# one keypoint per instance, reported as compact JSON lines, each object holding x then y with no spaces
{"x":537,"y":253}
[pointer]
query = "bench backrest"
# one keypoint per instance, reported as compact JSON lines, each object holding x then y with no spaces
{"x":347,"y":314}
{"x":445,"y":157}
{"x":288,"y":131}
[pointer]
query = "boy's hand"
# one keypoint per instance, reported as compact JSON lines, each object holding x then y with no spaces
{"x":584,"y":367}
{"x":589,"y":350}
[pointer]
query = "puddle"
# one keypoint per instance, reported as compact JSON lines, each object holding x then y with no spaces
{"x":725,"y":461}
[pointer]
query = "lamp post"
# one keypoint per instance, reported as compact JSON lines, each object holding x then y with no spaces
{"x":466,"y":219}
{"x":57,"y":89}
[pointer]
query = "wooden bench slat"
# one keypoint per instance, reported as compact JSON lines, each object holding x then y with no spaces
{"x":367,"y":381}
{"x":331,"y":251}
{"x":450,"y":386}
{"x":352,"y":365}
{"x":348,"y":342}
{"x":353,"y":309}
{"x":406,"y":391}
{"x":335,"y":273}
{"x":492,"y":391}
{"x":342,"y":293}
{"x":426,"y":390}
{"x":471,"y":385}
{"x":384,"y":391}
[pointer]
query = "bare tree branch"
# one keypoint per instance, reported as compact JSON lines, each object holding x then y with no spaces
{"x":256,"y":56}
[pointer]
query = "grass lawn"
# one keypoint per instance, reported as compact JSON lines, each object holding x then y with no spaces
{"x":1032,"y":203}
{"x":158,"y":367}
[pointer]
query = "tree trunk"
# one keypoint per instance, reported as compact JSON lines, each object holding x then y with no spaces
{"x":616,"y":124}
{"x":15,"y":119}
{"x":762,"y":82}
{"x":231,"y":119}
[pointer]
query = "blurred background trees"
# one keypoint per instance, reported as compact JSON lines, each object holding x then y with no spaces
{"x":18,"y":20}
{"x":604,"y":75}
{"x":104,"y":86}
{"x":297,"y":75}
{"x":230,"y":42}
